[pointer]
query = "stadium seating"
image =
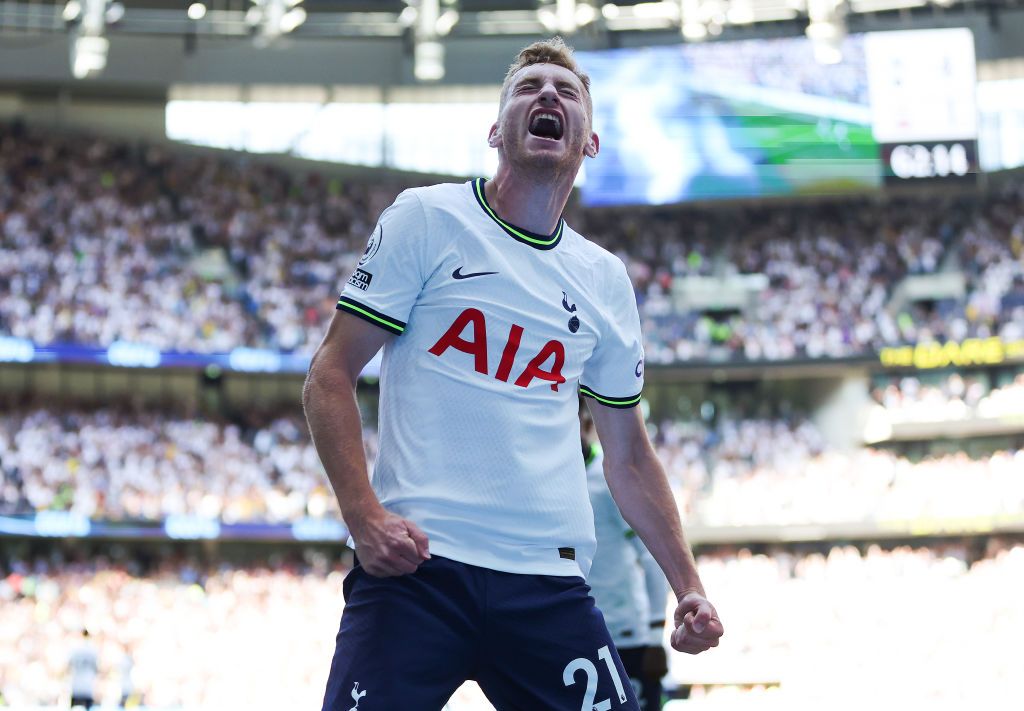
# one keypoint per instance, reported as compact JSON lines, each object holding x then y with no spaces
{"x":807,"y":625}
{"x":103,"y":241}
{"x":110,"y":464}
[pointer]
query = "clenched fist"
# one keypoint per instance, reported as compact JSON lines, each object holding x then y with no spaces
{"x":388,"y":544}
{"x":697,"y":625}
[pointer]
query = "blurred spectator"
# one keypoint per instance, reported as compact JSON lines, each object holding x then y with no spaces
{"x":83,"y":667}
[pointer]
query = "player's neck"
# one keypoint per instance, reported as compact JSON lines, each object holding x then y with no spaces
{"x":527,"y":202}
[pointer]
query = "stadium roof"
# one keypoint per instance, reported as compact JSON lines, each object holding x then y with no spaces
{"x":390,"y":18}
{"x":152,"y":44}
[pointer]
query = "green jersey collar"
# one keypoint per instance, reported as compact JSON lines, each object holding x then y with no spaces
{"x":517,"y":233}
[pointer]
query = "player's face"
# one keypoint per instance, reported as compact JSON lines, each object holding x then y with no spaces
{"x":544,"y":120}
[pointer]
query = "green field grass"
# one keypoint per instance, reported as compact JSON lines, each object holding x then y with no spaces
{"x":804,"y":154}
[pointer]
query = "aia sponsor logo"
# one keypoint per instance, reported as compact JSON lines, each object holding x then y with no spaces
{"x":468,"y":334}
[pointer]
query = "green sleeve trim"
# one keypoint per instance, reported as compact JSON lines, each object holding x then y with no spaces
{"x":620,"y":402}
{"x":371,"y":315}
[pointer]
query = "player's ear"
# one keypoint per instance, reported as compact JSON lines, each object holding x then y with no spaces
{"x":494,"y":136}
{"x":593,"y":146}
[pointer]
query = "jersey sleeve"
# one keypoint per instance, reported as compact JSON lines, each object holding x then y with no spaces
{"x":391,"y":273}
{"x":614,"y":373}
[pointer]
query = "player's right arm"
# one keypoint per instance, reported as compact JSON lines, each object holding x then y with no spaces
{"x":388,"y":544}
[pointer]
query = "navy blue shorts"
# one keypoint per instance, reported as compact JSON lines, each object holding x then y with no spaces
{"x":532,"y":642}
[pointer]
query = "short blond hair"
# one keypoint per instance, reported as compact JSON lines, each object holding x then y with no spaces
{"x":550,"y":51}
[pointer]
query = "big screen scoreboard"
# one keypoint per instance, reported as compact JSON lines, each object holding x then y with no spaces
{"x":763,"y":117}
{"x":922,"y":93}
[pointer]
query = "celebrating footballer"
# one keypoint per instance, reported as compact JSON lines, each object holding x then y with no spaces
{"x":475,"y":534}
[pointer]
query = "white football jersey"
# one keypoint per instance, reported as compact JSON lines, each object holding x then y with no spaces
{"x":617,"y":577}
{"x":657,"y":594}
{"x":84,"y":667}
{"x":500,"y":328}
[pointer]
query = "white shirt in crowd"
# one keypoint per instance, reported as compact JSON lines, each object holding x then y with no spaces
{"x":625,"y":580}
{"x":84,"y":667}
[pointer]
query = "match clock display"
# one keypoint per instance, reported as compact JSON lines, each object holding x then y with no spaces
{"x":931,"y":161}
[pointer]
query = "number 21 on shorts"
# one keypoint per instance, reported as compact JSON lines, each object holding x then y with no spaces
{"x":589,"y":670}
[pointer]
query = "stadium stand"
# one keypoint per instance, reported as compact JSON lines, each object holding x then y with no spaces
{"x":954,"y":397}
{"x":834,"y":383}
{"x":825,"y":608}
{"x":275,"y":621}
{"x":828,"y":611}
{"x":128,"y":465}
{"x":205,"y":254}
{"x":114,"y":465}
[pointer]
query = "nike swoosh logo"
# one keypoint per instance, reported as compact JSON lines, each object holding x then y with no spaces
{"x":457,"y":274}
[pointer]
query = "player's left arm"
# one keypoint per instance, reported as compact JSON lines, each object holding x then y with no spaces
{"x":641,"y":491}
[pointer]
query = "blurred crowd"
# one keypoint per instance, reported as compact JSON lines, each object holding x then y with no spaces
{"x":110,"y":464}
{"x":196,"y":636}
{"x":778,"y":472}
{"x":869,"y":485}
{"x":992,"y":258}
{"x":866,"y":625}
{"x":831,"y":270}
{"x":953,"y":397}
{"x":113,"y":464}
{"x":939,"y":623}
{"x":787,"y":65}
{"x":103,"y":241}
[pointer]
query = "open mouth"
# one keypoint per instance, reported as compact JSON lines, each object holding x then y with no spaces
{"x":547,"y":126}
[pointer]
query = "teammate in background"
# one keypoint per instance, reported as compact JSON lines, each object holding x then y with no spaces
{"x":126,"y":666}
{"x":474,"y":538}
{"x":655,"y":664}
{"x":84,"y":667}
{"x":631,"y":596}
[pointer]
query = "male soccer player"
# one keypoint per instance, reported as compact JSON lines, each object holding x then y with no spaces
{"x":84,"y":667}
{"x":476,"y":533}
{"x":630,"y":593}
